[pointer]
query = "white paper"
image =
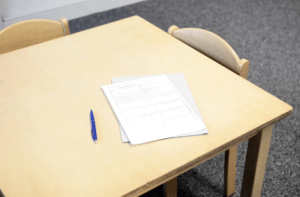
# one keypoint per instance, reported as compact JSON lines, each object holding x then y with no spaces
{"x":151,"y":109}
{"x":181,"y":85}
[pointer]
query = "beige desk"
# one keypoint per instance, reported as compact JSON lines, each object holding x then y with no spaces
{"x":47,"y":91}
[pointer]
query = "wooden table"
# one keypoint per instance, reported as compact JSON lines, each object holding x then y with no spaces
{"x":47,"y":91}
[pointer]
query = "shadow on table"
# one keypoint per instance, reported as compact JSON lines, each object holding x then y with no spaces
{"x":1,"y":194}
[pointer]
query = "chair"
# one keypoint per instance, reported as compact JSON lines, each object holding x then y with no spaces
{"x":219,"y":50}
{"x":31,"y":32}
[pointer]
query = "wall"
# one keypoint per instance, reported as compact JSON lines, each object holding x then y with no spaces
{"x":18,"y":10}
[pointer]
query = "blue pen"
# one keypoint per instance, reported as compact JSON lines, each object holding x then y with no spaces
{"x":94,"y":133}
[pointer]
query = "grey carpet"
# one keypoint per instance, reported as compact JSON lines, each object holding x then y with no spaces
{"x":267,"y":33}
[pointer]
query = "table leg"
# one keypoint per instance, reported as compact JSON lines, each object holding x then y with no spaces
{"x":257,"y":154}
{"x":230,"y":171}
{"x":170,"y":188}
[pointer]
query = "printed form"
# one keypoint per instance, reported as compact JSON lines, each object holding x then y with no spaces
{"x":151,"y":109}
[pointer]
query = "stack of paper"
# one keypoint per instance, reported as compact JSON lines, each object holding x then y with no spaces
{"x":151,"y":108}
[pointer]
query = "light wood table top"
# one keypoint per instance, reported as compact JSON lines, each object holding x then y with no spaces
{"x":48,"y":90}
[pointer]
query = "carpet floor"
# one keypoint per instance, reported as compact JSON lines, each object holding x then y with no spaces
{"x":267,"y":33}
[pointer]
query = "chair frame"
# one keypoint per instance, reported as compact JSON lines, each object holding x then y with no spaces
{"x":242,"y":69}
{"x":242,"y":64}
{"x":31,"y":32}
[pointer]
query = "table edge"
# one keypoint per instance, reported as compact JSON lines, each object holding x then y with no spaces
{"x":163,"y":179}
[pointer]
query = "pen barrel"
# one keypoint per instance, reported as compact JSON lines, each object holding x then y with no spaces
{"x":94,"y":134}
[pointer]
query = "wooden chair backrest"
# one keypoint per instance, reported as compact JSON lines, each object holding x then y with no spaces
{"x":212,"y":46}
{"x":31,"y":32}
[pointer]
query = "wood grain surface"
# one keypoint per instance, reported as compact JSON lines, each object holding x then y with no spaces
{"x":47,"y":91}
